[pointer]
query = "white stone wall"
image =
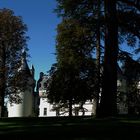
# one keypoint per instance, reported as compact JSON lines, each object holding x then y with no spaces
{"x":45,"y":105}
{"x":46,"y":109}
{"x":139,"y":85}
{"x":23,"y":109}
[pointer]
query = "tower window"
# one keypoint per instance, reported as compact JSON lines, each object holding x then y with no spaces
{"x":45,"y":111}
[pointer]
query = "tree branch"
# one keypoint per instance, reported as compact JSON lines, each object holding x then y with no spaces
{"x":134,"y":3}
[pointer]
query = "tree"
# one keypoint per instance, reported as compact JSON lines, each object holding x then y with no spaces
{"x":72,"y":80}
{"x":131,"y":69}
{"x":109,"y":88}
{"x":98,"y":56}
{"x":128,"y":31}
{"x":87,"y":13}
{"x":123,"y":29}
{"x":12,"y":43}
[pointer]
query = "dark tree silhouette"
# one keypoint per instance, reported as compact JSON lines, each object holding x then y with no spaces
{"x":119,"y":23}
{"x":75,"y":66}
{"x":12,"y":43}
{"x":108,"y":105}
{"x":131,"y":69}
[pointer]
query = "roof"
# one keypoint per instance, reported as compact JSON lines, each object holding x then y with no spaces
{"x":24,"y":68}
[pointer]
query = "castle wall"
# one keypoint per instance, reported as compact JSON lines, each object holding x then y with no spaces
{"x":45,"y":108}
{"x":24,"y":108}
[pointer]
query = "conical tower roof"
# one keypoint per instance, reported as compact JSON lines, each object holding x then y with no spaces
{"x":24,"y":65}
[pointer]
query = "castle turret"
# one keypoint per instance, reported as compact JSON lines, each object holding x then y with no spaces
{"x":25,"y":107}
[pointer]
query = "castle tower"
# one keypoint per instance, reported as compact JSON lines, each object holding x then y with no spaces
{"x":25,"y":107}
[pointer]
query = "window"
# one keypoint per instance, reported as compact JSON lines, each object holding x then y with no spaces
{"x":45,"y":111}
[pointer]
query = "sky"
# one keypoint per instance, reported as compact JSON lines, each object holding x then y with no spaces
{"x":41,"y":21}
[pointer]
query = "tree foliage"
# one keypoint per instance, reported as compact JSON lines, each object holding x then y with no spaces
{"x":12,"y":43}
{"x":72,"y":79}
{"x":86,"y":12}
{"x":119,"y":23}
{"x":131,"y":69}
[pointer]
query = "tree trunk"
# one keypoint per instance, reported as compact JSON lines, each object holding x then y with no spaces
{"x":98,"y":59}
{"x":108,"y":106}
{"x":70,"y":107}
{"x":2,"y":81}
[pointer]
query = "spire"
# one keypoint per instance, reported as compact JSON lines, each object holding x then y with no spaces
{"x":32,"y":70}
{"x":24,"y":66}
{"x":24,"y":54}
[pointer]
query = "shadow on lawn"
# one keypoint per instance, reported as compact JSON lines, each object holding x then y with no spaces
{"x":65,"y":128}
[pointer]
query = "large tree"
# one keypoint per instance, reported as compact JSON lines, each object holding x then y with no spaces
{"x":119,"y":23}
{"x":72,"y":81}
{"x":12,"y":43}
{"x":108,"y":105}
{"x":84,"y":13}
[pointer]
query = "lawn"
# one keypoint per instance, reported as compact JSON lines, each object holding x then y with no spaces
{"x":74,"y":128}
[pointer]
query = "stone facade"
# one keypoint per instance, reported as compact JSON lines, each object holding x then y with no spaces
{"x":47,"y":109}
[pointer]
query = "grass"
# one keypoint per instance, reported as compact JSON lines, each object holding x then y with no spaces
{"x":74,"y":128}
